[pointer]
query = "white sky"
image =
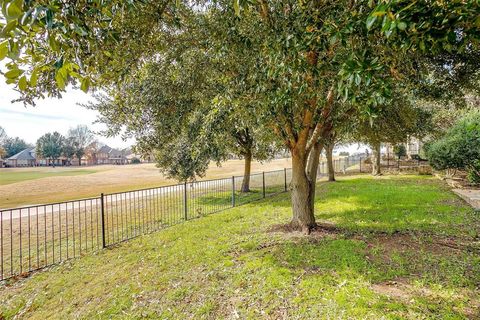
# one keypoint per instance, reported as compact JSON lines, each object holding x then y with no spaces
{"x":49,"y":114}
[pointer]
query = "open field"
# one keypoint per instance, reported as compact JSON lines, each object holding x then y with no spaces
{"x":400,"y":247}
{"x":60,"y":184}
{"x":13,"y":176}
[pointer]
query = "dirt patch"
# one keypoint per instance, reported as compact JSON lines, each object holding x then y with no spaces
{"x":398,"y":289}
{"x":319,"y":230}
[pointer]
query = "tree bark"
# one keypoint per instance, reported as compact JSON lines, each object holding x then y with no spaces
{"x":331,"y":169}
{"x":302,"y":205}
{"x":376,"y":165}
{"x":246,"y":172}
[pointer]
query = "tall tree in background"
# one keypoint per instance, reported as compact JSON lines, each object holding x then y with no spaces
{"x":393,"y":124}
{"x":14,"y":145}
{"x":3,"y":136}
{"x":68,"y":149}
{"x":91,"y":151}
{"x":175,"y":105}
{"x":50,"y":146}
{"x":80,"y":136}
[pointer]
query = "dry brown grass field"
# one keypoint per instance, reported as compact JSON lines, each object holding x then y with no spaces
{"x":43,"y":185}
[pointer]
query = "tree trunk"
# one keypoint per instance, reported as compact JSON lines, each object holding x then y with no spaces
{"x":331,"y":169}
{"x":312,"y":168}
{"x":376,"y":170}
{"x":302,"y":205}
{"x":246,"y":173}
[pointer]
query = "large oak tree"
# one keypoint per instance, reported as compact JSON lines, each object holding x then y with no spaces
{"x":310,"y":54}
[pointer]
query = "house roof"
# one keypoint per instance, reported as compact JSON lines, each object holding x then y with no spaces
{"x":23,"y":155}
{"x":114,"y":153}
{"x":105,"y":149}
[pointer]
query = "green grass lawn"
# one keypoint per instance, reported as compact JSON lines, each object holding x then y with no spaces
{"x":7,"y":177}
{"x":399,"y":247}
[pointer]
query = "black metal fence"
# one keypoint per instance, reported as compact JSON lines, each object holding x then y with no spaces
{"x":35,"y":237}
{"x":350,"y":164}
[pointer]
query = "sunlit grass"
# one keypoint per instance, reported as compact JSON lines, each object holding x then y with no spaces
{"x":386,"y":260}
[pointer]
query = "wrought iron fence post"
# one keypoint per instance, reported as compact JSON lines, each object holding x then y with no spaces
{"x":285,"y":176}
{"x":185,"y":208}
{"x":233,"y":191}
{"x":263,"y":182}
{"x":102,"y":217}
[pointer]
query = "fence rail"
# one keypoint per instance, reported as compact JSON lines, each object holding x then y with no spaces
{"x":39,"y":236}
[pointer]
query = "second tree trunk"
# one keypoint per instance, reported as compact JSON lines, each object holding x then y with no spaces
{"x":246,"y":173}
{"x":331,"y":168}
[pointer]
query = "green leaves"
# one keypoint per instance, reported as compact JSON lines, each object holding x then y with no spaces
{"x":236,"y":7}
{"x":14,"y":9}
{"x":34,"y":77}
{"x":436,"y":27}
{"x":22,"y":83}
{"x":9,"y":27}
{"x":3,"y":49}
{"x":13,"y":73}
{"x":85,"y":84}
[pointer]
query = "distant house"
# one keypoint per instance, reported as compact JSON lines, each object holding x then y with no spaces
{"x":413,"y":147}
{"x":29,"y":158}
{"x":25,"y":158}
{"x":107,"y":155}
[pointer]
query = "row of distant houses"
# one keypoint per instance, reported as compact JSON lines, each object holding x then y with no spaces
{"x":105,"y":155}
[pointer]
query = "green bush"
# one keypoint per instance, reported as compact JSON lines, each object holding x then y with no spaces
{"x":459,"y":148}
{"x":474,"y":173}
{"x":400,"y":151}
{"x":135,"y":161}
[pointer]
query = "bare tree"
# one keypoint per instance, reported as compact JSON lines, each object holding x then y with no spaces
{"x":81,"y":136}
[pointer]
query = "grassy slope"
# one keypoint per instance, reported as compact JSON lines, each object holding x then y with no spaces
{"x":18,"y":176}
{"x":388,"y":258}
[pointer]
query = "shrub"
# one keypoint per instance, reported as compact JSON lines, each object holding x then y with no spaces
{"x":459,"y":148}
{"x":135,"y":161}
{"x":474,"y":173}
{"x":400,"y":150}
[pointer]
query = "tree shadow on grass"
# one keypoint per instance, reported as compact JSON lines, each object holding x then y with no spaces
{"x":403,"y":246}
{"x":387,"y":271}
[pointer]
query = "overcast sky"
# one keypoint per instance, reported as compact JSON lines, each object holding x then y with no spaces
{"x":50,"y":114}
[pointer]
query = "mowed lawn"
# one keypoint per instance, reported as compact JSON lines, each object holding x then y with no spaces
{"x":8,"y":177}
{"x":396,"y":247}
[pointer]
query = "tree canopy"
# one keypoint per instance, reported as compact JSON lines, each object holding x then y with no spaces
{"x":50,"y":145}
{"x":291,"y":68}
